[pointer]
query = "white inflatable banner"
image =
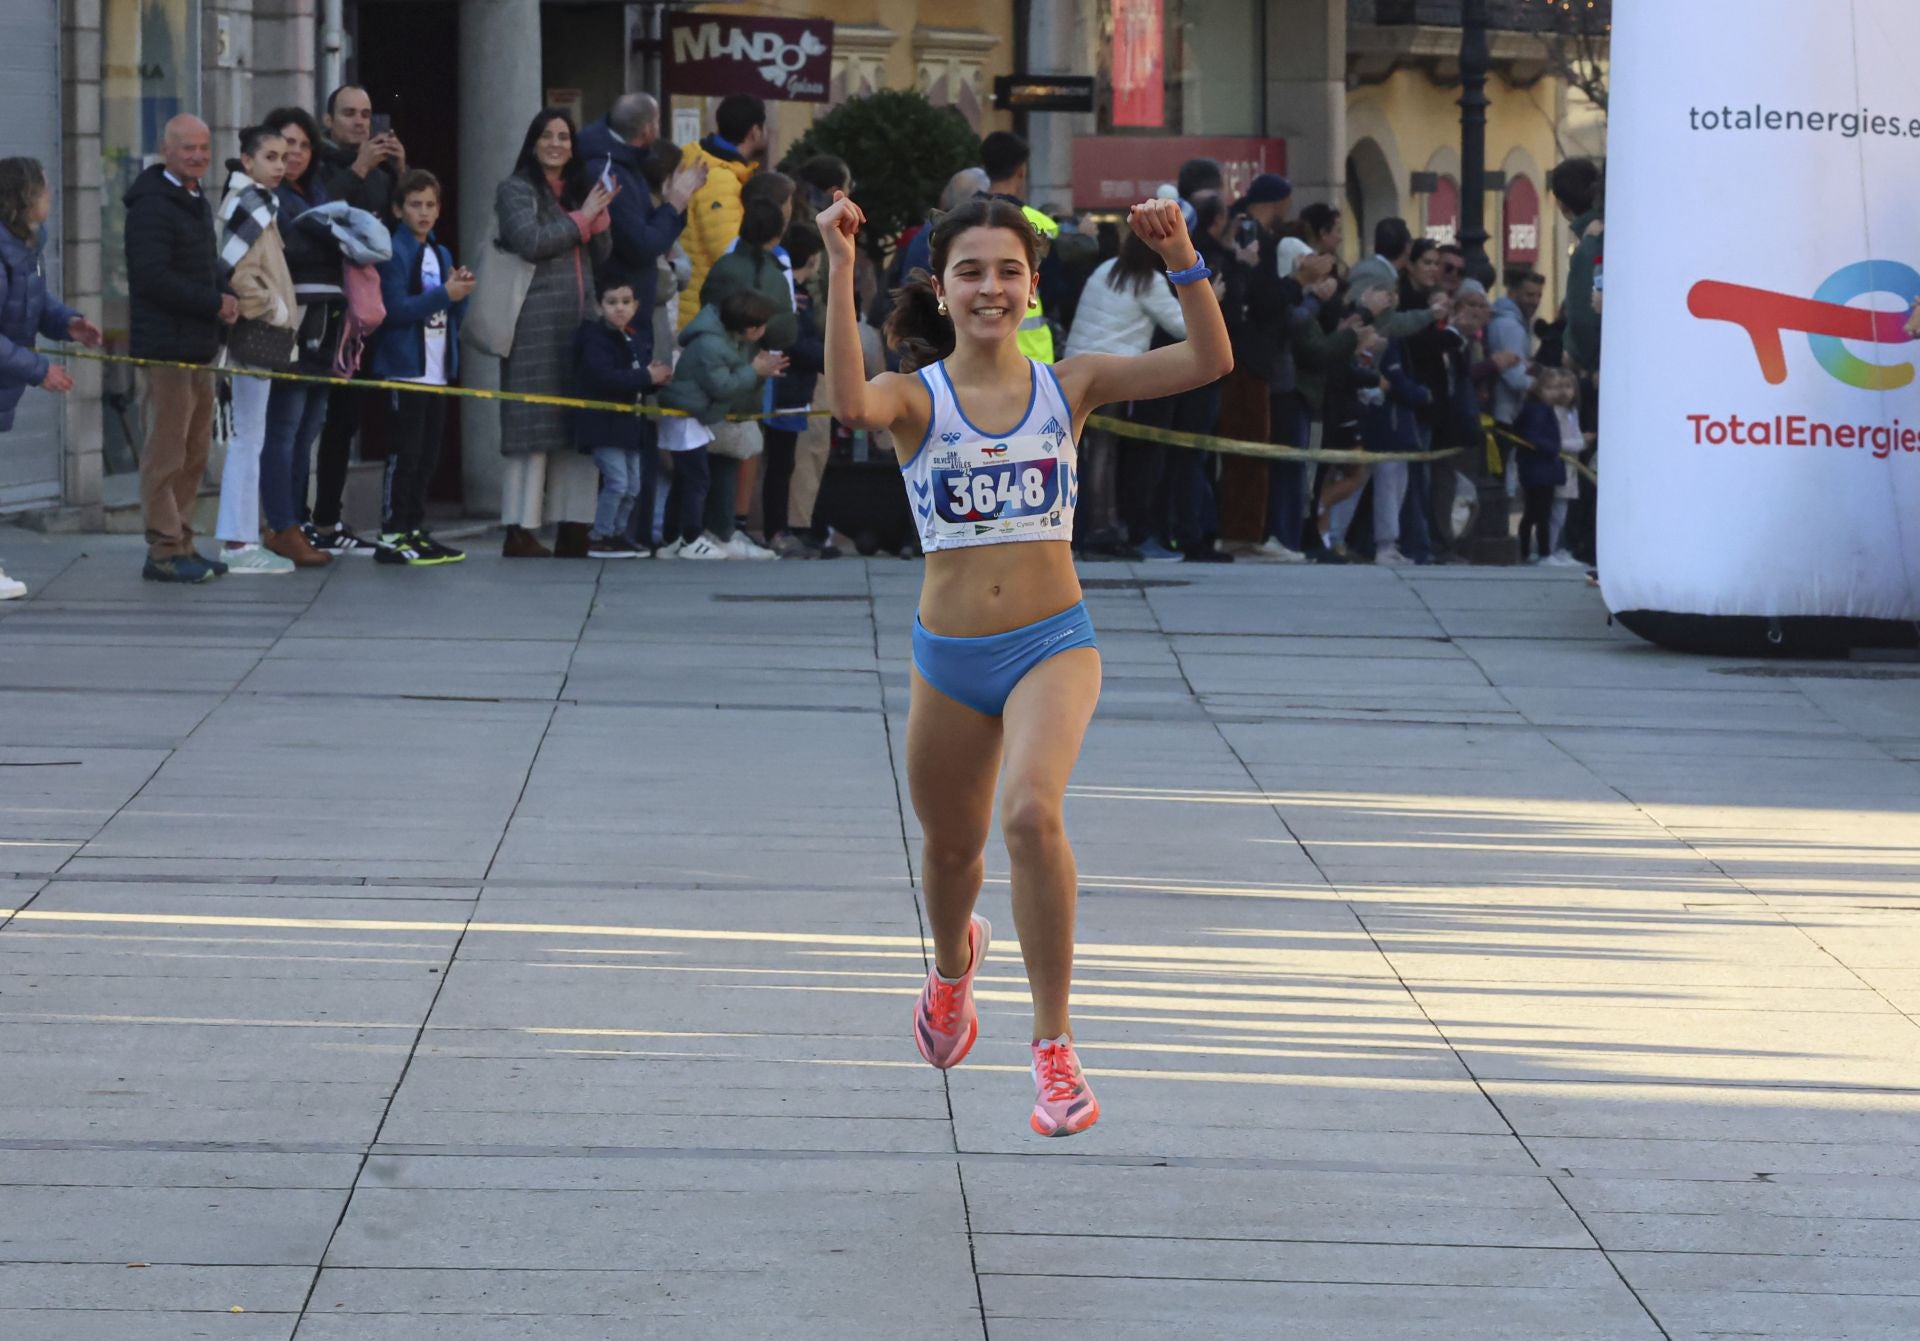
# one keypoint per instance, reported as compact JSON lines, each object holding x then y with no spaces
{"x":1760,"y":409}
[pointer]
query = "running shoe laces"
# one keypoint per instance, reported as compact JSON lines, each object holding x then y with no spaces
{"x":944,"y":1002}
{"x":1059,"y":1078}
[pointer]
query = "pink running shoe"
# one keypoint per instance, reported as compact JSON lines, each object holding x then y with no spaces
{"x":944,"y":1021}
{"x":1063,"y":1103}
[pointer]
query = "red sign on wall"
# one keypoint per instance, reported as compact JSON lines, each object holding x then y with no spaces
{"x":1443,"y":212}
{"x":1113,"y":172}
{"x":1139,"y":63}
{"x":775,"y":59}
{"x":1523,"y":222}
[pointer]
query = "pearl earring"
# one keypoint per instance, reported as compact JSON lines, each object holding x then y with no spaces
{"x":941,"y":308}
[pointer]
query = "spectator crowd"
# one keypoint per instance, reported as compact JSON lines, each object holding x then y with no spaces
{"x":625,"y":269}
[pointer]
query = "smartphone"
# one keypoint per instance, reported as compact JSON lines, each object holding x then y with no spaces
{"x":1245,"y":231}
{"x":382,"y":123}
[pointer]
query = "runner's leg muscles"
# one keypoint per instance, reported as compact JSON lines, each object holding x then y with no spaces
{"x":953,"y":757}
{"x":1045,"y":721}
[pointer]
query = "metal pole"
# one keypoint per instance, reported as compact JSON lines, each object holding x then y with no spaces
{"x":1492,"y":541}
{"x":1475,"y":59}
{"x":333,"y":42}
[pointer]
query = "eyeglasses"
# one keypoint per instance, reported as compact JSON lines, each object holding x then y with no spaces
{"x":1453,"y":270}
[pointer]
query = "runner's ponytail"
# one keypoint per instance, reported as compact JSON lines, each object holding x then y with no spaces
{"x":916,"y":327}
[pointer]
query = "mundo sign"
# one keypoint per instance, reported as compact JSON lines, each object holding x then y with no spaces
{"x":781,"y":59}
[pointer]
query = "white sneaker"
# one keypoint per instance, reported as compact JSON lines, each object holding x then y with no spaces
{"x":1561,"y":559}
{"x":255,"y":560}
{"x":671,"y":550}
{"x":1391,"y":557}
{"x":10,"y":589}
{"x":742,"y":546}
{"x":703,"y":548}
{"x":1273,"y":551}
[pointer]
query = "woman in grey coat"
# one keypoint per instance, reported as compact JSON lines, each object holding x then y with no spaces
{"x":550,"y":214}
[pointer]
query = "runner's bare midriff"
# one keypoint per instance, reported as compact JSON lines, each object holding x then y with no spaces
{"x":988,"y":589}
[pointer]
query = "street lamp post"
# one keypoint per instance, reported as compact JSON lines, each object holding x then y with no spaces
{"x":1492,"y":540}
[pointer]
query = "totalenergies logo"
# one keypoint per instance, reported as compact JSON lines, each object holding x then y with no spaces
{"x":1826,"y":319}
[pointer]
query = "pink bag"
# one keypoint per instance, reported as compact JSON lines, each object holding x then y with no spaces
{"x":365,"y":311}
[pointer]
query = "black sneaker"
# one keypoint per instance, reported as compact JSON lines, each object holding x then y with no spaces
{"x":219,"y":568}
{"x":441,"y":553}
{"x":609,"y":547}
{"x":339,"y":541}
{"x":398,"y":549}
{"x":1324,"y":554}
{"x":1205,"y":554}
{"x":186,"y":568}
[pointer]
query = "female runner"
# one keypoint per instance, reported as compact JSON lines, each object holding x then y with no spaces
{"x":1005,"y":668}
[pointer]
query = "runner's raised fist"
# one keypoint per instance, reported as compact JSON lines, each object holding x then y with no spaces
{"x":1161,"y":225}
{"x":839,"y":224}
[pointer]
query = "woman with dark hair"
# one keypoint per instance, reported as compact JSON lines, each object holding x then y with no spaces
{"x":296,"y":411}
{"x":1124,"y":302}
{"x":1006,"y":670}
{"x":27,"y":310}
{"x":548,"y":213}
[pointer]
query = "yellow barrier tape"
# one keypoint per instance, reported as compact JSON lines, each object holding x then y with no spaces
{"x":1497,"y":432}
{"x":1269,"y":451}
{"x":1206,"y":442}
{"x":468,"y":392}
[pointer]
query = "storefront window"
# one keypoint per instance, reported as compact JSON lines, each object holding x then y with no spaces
{"x":1181,"y":67}
{"x":150,"y":74}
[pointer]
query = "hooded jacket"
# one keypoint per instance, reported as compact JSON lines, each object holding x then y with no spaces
{"x":714,"y":213}
{"x":751,"y":268}
{"x":714,"y":377}
{"x":173,"y":277}
{"x":1507,"y":333}
{"x":27,"y":311}
{"x":644,"y":230}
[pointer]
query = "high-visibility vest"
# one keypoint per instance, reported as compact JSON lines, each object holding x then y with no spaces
{"x":1036,"y":337}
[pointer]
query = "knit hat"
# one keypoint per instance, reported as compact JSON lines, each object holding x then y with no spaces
{"x":1265,"y":189}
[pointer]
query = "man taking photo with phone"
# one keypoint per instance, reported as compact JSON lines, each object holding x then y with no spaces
{"x":363,"y":159}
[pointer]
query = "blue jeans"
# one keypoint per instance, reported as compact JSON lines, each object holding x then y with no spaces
{"x":621,"y":469}
{"x":295,"y":412}
{"x":1291,"y":425}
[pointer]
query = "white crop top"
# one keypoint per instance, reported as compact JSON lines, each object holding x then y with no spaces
{"x":970,"y":488}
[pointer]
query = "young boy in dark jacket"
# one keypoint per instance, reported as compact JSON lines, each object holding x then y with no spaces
{"x":425,"y":295}
{"x":610,"y":363}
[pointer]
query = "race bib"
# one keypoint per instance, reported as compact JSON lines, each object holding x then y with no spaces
{"x":1014,"y":486}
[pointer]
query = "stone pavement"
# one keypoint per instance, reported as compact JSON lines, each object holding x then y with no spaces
{"x":525,"y":951}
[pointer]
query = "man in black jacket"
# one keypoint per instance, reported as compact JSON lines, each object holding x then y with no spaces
{"x":178,"y":305}
{"x":362,"y":169}
{"x":643,"y":230}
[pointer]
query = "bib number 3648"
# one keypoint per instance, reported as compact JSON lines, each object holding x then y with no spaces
{"x":998,"y":492}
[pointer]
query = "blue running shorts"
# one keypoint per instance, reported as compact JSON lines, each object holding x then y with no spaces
{"x":981,"y":672}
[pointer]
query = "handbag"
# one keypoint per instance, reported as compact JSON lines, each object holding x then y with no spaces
{"x":738,"y":440}
{"x":499,"y":291}
{"x":253,"y":343}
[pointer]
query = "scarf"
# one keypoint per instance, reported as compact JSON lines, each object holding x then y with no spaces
{"x":247,"y":211}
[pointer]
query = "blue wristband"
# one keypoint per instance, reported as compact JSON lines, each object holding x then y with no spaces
{"x":1197,"y":271}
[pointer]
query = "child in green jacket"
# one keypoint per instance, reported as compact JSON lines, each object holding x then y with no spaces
{"x":719,"y":373}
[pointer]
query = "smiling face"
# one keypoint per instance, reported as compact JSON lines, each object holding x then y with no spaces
{"x":554,"y":147}
{"x":299,"y":151}
{"x":988,"y":284}
{"x":186,"y":148}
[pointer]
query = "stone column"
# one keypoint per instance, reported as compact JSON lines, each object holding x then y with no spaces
{"x":500,"y":91}
{"x":1060,"y":40}
{"x":1307,"y":94}
{"x":80,"y":209}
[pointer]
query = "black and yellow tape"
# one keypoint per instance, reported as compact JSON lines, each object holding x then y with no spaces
{"x":1206,"y":442}
{"x":1498,"y":433}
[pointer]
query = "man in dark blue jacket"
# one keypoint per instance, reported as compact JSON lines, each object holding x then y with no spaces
{"x":643,"y":230}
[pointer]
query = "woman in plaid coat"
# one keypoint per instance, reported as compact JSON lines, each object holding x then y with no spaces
{"x":548,"y":213}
